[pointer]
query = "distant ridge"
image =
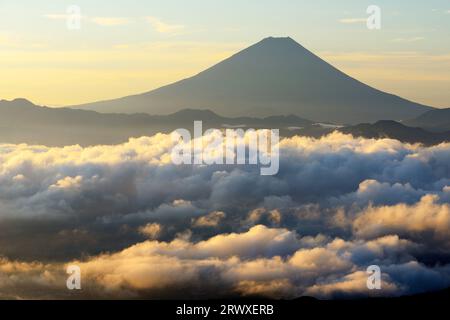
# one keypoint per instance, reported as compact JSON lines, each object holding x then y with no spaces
{"x":276,"y":76}
{"x":435,"y":120}
{"x":23,"y":122}
{"x":394,"y":130}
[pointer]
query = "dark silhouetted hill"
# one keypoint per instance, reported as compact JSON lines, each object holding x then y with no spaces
{"x":23,"y":122}
{"x":433,"y":120}
{"x":398,"y":131}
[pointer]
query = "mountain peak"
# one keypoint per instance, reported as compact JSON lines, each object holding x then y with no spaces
{"x":278,"y":39}
{"x":18,"y":102}
{"x":286,"y":44}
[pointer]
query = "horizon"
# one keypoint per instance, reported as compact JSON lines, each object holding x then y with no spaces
{"x":117,"y":52}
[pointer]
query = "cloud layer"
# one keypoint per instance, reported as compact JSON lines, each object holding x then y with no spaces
{"x":139,"y":226}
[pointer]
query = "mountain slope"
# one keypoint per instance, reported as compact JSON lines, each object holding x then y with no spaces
{"x":433,"y":120}
{"x":275,"y":76}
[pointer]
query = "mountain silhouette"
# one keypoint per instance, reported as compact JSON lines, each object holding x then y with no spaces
{"x":23,"y":122}
{"x":434,"y":120}
{"x":395,"y":130}
{"x":276,"y":76}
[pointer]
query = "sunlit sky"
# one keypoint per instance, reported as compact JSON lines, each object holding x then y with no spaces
{"x":131,"y":46}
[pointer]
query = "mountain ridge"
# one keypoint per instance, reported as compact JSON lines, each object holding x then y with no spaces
{"x":435,"y":120}
{"x":23,"y":122}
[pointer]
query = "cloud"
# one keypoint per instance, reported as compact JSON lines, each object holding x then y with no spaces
{"x":151,"y":230}
{"x":210,"y":220}
{"x":57,"y":16}
{"x":407,"y":40}
{"x":351,"y":285}
{"x":140,"y":226}
{"x":101,"y":21}
{"x":222,"y":266}
{"x":163,"y":27}
{"x":426,"y":218}
{"x":111,"y":21}
{"x":353,"y":20}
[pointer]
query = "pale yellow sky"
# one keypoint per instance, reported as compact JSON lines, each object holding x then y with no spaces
{"x":58,"y":78}
{"x":125,"y":47}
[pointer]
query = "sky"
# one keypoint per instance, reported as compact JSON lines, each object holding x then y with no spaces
{"x":128,"y":47}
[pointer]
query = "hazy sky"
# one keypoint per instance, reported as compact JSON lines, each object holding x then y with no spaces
{"x":131,"y":46}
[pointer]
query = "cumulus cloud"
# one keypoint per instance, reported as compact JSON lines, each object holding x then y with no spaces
{"x":426,"y":218}
{"x":140,"y":226}
{"x":259,"y":262}
{"x":151,"y":230}
{"x":210,"y":220}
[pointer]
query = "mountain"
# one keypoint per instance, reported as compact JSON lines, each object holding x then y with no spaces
{"x":433,"y":120}
{"x":398,"y":131}
{"x":23,"y":122}
{"x":275,"y":76}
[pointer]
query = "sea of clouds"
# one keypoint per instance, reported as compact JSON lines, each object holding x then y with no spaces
{"x":139,"y":226}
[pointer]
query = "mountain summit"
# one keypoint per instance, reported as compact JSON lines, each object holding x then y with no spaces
{"x":276,"y":76}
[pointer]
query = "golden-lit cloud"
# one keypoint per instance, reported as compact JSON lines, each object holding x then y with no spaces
{"x":426,"y":217}
{"x":141,"y":227}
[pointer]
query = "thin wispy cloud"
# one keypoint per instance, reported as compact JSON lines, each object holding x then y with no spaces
{"x":101,"y":21}
{"x":110,"y":21}
{"x":352,"y":20}
{"x":163,"y":27}
{"x":407,"y":40}
{"x":56,"y":16}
